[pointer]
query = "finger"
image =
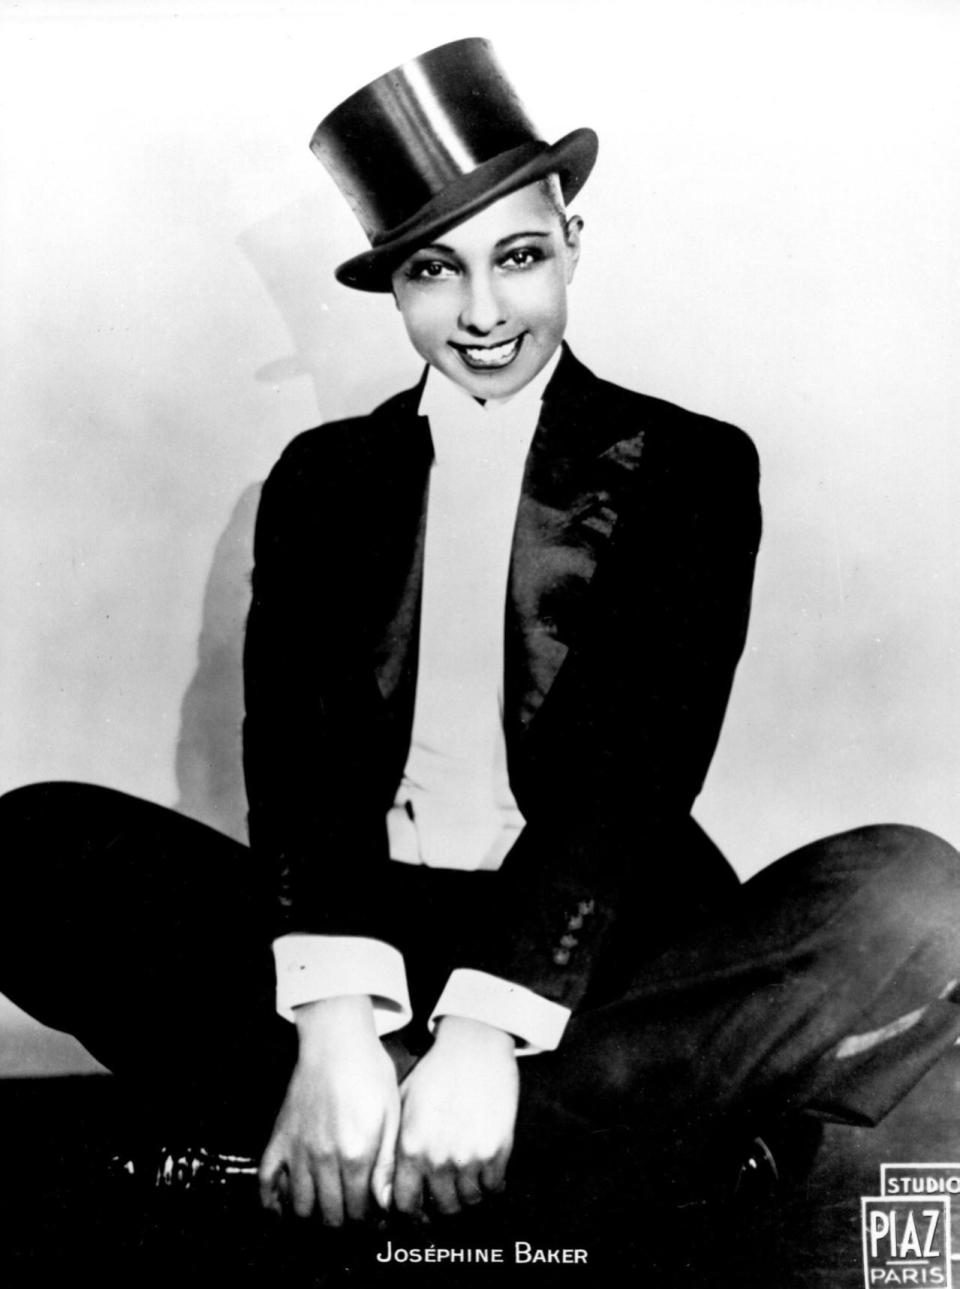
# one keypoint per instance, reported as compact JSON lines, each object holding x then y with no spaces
{"x":302,"y":1192}
{"x":442,"y":1185}
{"x":408,"y":1186}
{"x":355,"y":1187}
{"x":469,"y":1189}
{"x":326,"y":1176}
{"x":268,"y":1174}
{"x":271,"y":1195}
{"x":381,"y":1175}
{"x":493,"y":1175}
{"x":284,"y":1196}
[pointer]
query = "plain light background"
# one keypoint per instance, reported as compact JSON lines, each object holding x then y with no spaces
{"x":771,"y":238}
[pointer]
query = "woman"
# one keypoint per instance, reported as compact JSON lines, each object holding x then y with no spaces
{"x":493,"y":633}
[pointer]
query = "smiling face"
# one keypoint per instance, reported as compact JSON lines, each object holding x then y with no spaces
{"x":486,"y":304}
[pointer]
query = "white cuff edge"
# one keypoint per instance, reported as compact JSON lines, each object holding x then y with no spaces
{"x":314,"y":967}
{"x":536,"y":1022}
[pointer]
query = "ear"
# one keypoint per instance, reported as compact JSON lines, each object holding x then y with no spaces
{"x":571,"y":236}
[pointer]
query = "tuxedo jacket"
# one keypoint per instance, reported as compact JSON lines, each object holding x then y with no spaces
{"x":626,"y":612}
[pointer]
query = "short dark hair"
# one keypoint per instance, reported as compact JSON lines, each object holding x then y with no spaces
{"x":549,"y":185}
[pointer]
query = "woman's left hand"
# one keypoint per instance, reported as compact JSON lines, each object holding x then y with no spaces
{"x":458,"y":1111}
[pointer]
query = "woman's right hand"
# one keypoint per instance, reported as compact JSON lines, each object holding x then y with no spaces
{"x":334,"y":1141}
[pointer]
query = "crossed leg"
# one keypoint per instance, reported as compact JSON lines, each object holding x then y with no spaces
{"x":827,"y":984}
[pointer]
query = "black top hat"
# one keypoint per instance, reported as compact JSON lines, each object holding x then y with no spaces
{"x":429,"y":144}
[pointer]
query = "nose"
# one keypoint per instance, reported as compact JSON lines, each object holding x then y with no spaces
{"x":481,"y":309}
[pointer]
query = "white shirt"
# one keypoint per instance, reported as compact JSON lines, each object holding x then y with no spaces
{"x":454,"y":807}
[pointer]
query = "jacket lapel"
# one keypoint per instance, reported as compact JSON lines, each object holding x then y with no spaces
{"x":397,"y":530}
{"x":578,"y":465}
{"x":579,"y":462}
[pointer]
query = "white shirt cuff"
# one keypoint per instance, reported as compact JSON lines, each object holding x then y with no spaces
{"x":535,"y":1022}
{"x":313,"y":967}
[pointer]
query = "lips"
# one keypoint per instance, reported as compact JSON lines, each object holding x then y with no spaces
{"x":489,"y":357}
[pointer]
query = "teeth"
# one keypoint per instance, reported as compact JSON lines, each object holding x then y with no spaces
{"x":491,"y":356}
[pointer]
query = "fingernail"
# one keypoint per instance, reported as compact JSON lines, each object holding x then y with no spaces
{"x":385,"y":1197}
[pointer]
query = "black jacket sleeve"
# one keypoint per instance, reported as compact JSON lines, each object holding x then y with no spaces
{"x":320,"y":757}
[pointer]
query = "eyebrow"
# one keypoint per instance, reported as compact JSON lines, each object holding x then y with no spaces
{"x":504,"y":241}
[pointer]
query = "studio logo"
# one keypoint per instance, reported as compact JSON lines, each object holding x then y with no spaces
{"x":907,"y":1228}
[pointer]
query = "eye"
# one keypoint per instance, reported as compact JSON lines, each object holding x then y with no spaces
{"x":429,"y":270}
{"x":521,"y":257}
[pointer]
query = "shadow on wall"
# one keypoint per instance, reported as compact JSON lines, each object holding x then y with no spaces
{"x":290,"y":254}
{"x":330,"y":326}
{"x":286,"y":251}
{"x":209,"y":758}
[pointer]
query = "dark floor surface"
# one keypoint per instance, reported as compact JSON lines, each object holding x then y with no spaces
{"x":63,"y":1221}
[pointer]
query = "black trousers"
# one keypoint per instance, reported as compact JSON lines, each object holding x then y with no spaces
{"x":828,"y":983}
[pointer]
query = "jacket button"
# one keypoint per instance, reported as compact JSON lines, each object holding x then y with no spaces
{"x":575,"y":922}
{"x":568,"y":941}
{"x":561,"y":957}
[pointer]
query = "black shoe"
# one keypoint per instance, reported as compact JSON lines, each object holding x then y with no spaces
{"x":782,"y":1155}
{"x":757,"y":1177}
{"x":193,"y":1217}
{"x":185,"y":1169}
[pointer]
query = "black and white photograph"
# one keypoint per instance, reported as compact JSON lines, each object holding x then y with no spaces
{"x":480,"y":643}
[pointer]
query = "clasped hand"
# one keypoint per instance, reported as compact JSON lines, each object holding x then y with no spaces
{"x":348,"y":1140}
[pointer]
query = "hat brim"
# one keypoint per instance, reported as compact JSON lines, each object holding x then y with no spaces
{"x":571,"y":159}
